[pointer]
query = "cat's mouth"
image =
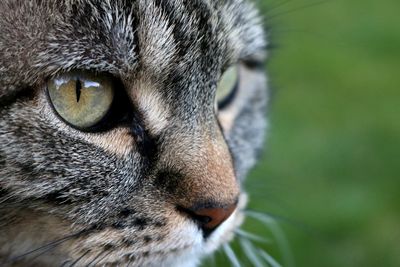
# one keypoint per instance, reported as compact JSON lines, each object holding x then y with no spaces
{"x":200,"y":246}
{"x":184,"y":246}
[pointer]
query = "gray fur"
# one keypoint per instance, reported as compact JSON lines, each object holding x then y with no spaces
{"x":56,"y":181}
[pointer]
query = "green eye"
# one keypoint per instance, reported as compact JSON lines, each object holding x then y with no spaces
{"x":82,"y":99}
{"x":227,"y":85}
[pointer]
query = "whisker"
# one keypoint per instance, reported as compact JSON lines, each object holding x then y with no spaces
{"x":295,"y":9}
{"x":272,"y":216}
{"x":278,"y":234}
{"x":95,"y":258}
{"x":231,"y":256}
{"x":45,"y":248}
{"x":102,"y":258}
{"x":263,"y":217}
{"x":278,"y":5}
{"x":80,"y":258}
{"x":3,"y":200}
{"x":41,"y":253}
{"x":250,"y":252}
{"x":64,"y":264}
{"x":294,"y":223}
{"x":270,"y":260}
{"x":250,"y":236}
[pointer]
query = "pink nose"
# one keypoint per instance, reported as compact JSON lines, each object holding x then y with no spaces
{"x":210,"y":218}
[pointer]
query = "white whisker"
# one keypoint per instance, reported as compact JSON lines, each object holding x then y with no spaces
{"x":261,"y":217}
{"x":250,"y":252}
{"x":231,"y":256}
{"x":270,"y":260}
{"x":278,"y":234}
{"x":250,"y":236}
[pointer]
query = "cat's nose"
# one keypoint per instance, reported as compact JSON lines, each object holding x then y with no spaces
{"x":211,"y":217}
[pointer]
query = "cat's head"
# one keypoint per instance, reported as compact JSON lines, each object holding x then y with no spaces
{"x":126,"y":128}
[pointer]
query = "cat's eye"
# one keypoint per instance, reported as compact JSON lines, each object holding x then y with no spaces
{"x":227,"y":86}
{"x":82,"y":99}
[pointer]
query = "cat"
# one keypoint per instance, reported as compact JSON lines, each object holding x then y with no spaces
{"x":127,"y":128}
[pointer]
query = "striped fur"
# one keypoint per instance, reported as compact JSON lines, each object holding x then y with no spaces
{"x":110,"y":198}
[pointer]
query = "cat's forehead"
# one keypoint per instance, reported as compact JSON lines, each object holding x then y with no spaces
{"x":160,"y":37}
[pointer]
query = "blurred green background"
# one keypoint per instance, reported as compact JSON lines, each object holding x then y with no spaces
{"x":330,"y":175}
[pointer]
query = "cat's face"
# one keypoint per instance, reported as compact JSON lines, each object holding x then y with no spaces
{"x":145,"y":167}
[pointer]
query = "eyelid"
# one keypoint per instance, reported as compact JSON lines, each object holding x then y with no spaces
{"x":255,"y":61}
{"x":254,"y":64}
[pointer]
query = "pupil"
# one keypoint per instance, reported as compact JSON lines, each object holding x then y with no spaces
{"x":78,"y":89}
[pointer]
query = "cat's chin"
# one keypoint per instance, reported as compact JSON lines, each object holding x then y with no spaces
{"x":199,"y":248}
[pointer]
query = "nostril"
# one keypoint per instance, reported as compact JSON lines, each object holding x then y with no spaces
{"x":209,"y":218}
